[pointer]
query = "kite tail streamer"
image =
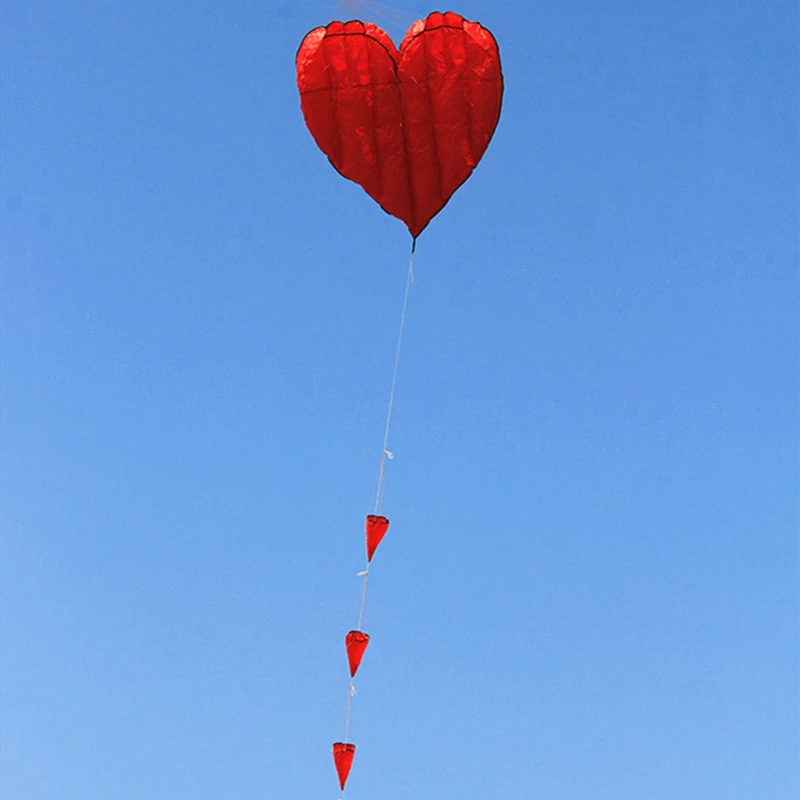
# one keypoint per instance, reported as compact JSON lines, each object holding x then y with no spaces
{"x":376,"y":527}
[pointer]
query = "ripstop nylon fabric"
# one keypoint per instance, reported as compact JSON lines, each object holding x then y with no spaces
{"x":407,"y":125}
{"x":376,"y":527}
{"x":355,"y":643}
{"x":343,"y":760}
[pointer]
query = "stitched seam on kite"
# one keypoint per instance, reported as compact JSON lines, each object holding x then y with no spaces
{"x":437,"y":28}
{"x":409,"y":181}
{"x":462,"y":82}
{"x":354,"y":86}
{"x":364,"y":33}
{"x":375,"y":145}
{"x":334,"y":115}
{"x":467,"y":95}
{"x":363,"y":85}
{"x":428,"y":92}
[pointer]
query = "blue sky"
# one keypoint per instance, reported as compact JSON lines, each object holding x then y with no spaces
{"x":590,"y":585}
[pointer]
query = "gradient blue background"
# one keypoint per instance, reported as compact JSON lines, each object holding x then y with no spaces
{"x":590,"y":586}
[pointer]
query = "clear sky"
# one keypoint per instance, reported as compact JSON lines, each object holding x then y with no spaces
{"x":590,"y":586}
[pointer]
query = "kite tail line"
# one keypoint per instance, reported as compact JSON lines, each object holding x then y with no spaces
{"x":385,"y":452}
{"x":350,"y":692}
{"x":363,"y":599}
{"x":381,"y":483}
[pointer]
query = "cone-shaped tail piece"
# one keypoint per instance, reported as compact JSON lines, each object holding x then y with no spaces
{"x":356,"y":643}
{"x":343,"y":758}
{"x":376,"y":530}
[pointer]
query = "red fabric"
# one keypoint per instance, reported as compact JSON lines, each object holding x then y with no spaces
{"x":376,"y":530}
{"x":409,"y":126}
{"x":356,"y":643}
{"x":343,"y":759}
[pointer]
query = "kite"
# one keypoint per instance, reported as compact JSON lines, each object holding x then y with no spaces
{"x":409,"y":125}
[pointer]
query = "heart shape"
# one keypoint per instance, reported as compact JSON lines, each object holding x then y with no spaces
{"x":407,"y":125}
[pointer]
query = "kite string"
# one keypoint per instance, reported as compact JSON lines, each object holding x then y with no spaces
{"x":363,"y":599}
{"x":350,"y":692}
{"x":385,"y":452}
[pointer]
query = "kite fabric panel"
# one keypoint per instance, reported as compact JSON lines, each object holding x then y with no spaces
{"x":407,"y":125}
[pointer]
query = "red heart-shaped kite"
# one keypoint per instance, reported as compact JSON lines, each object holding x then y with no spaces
{"x":409,"y":126}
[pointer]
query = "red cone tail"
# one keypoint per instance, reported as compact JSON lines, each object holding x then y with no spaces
{"x":356,"y":643}
{"x":343,"y":758}
{"x":376,"y":530}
